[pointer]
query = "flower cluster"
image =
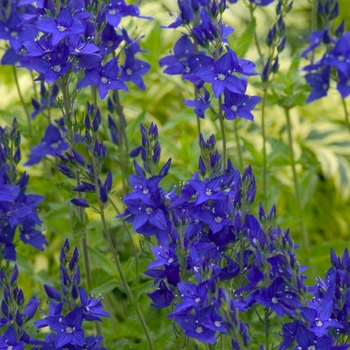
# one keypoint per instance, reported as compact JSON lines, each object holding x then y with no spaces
{"x":334,"y":63}
{"x":70,"y":308}
{"x":15,"y":314}
{"x":73,"y":39}
{"x":208,"y":241}
{"x":202,"y":57}
{"x":74,"y":165}
{"x":18,"y":210}
{"x":215,"y":260}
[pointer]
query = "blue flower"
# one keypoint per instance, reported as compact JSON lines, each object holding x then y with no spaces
{"x":68,"y":328}
{"x":237,"y":105}
{"x":194,"y":325}
{"x":105,"y":77}
{"x":9,"y":341}
{"x":51,"y":144}
{"x":134,"y":69}
{"x":319,"y":83}
{"x":162,"y":296}
{"x":92,"y":308}
{"x":319,"y":319}
{"x":60,"y":27}
{"x":219,"y":74}
{"x":51,"y":66}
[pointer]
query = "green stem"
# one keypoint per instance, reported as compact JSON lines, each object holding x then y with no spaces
{"x":267,"y":328}
{"x":30,"y":131}
{"x":346,"y":113}
{"x":302,"y":228}
{"x":263,"y":131}
{"x":238,"y":144}
{"x":131,"y":241}
{"x":256,"y":39}
{"x":223,"y":133}
{"x":80,"y":211}
{"x":125,"y":150}
{"x":34,"y":86}
{"x":131,"y":298}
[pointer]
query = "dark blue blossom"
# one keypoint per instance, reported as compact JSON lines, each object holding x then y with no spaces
{"x":319,"y":83}
{"x":68,"y":328}
{"x":14,"y":31}
{"x":133,"y":70}
{"x":319,"y":319}
{"x":51,"y":144}
{"x":162,"y":296}
{"x":53,"y":66}
{"x":8,"y":341}
{"x":219,"y":74}
{"x":105,"y":77}
{"x":237,"y":105}
{"x":60,"y":27}
{"x":92,"y":308}
{"x":194,"y":325}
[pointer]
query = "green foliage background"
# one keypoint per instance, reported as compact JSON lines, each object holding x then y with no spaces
{"x":321,"y":145}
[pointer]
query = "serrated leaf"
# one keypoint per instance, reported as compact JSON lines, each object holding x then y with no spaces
{"x":140,"y":288}
{"x":242,"y":45}
{"x":108,"y":287}
{"x":61,"y":185}
{"x":78,"y":228}
{"x":101,"y":261}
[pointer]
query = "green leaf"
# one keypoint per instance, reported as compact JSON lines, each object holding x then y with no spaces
{"x":142,"y":288}
{"x":242,"y":45}
{"x":250,"y":147}
{"x":101,"y":261}
{"x":108,"y":287}
{"x":78,"y":228}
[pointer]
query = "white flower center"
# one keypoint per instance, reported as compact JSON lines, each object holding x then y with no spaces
{"x":104,"y":80}
{"x":61,"y":28}
{"x":234,"y":108}
{"x":274,"y":300}
{"x":218,"y":219}
{"x":208,"y":192}
{"x":319,"y":323}
{"x":221,"y":76}
{"x":69,"y":330}
{"x":149,"y":211}
{"x":129,"y":71}
{"x":57,"y":68}
{"x":199,"y":330}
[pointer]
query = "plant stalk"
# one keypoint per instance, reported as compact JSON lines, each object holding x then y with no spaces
{"x":346,"y":113}
{"x":117,"y":262}
{"x":302,"y":227}
{"x":30,"y":131}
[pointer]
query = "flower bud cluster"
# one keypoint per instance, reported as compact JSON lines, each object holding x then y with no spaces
{"x":70,"y":308}
{"x":276,"y":39}
{"x":15,"y":313}
{"x":75,"y":166}
{"x":17,"y":209}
